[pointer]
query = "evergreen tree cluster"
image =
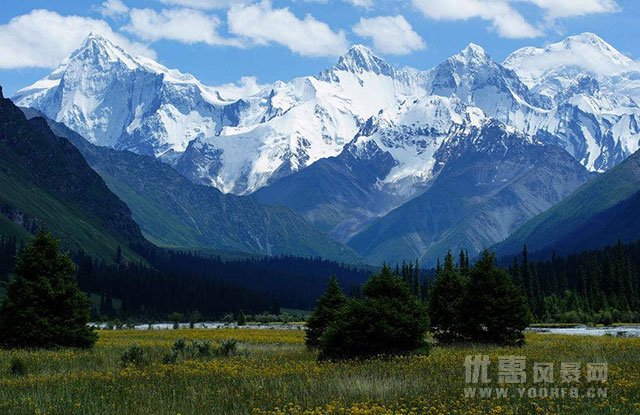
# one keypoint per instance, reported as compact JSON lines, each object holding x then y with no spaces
{"x":388,"y":319}
{"x":414,"y":278}
{"x":172,"y":281}
{"x":140,"y":291}
{"x":478,"y":304}
{"x":598,"y":286}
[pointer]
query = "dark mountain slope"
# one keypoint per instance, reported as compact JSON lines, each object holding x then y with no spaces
{"x":337,"y":194}
{"x":46,"y":183}
{"x":174,"y":212}
{"x":599,"y":213}
{"x":492,"y":182}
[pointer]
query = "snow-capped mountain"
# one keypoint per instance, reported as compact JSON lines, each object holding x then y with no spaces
{"x":391,"y":159}
{"x":411,"y":134}
{"x":491,"y":180}
{"x":553,"y":70}
{"x":240,"y":146}
{"x":595,"y":116}
{"x":117,"y":100}
{"x":595,"y":125}
{"x":476,"y":79}
{"x":354,"y":145}
{"x":134,"y":103}
{"x":292,"y":125}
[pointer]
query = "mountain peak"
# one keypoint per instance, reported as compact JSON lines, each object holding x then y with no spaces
{"x":473,"y":53}
{"x":582,"y":53}
{"x":360,"y":50}
{"x":360,"y":58}
{"x":95,"y":37}
{"x":596,"y":43}
{"x":586,"y":37}
{"x":98,"y":49}
{"x":473,"y":49}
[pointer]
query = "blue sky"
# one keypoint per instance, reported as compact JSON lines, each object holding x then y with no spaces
{"x":220,"y":41}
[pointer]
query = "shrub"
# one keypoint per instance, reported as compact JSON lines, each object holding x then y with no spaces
{"x":242,"y":319}
{"x":194,"y":318}
{"x":170,"y":358}
{"x":176,"y":318}
{"x":195,"y":349}
{"x":134,"y":356}
{"x":227,"y":348}
{"x":201,"y":348}
{"x":17,"y":367}
{"x":179,"y":345}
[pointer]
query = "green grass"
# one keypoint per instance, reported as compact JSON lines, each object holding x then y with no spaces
{"x":274,"y":374}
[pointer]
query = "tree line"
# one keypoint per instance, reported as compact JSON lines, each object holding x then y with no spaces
{"x":596,"y":286}
{"x":187,"y":282}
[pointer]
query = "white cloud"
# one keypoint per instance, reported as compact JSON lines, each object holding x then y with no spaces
{"x":361,"y":3}
{"x":204,"y":4}
{"x":357,"y":3}
{"x":504,"y":19}
{"x":390,"y":34}
{"x":265,"y":25}
{"x":113,"y":8}
{"x":182,"y":25}
{"x":569,"y":8}
{"x":584,"y":55}
{"x":247,"y":86}
{"x":43,"y":38}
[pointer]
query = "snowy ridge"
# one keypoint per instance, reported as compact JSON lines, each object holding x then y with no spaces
{"x":412,"y":133}
{"x":579,"y":94}
{"x":552,"y":69}
{"x":295,"y":124}
{"x":595,"y":116}
{"x":125,"y":102}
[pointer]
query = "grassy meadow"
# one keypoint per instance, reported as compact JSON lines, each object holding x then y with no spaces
{"x":274,"y":374}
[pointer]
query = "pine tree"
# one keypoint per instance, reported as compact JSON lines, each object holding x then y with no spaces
{"x":463,"y":263}
{"x":445,"y":302}
{"x":325,"y":312}
{"x":389,"y":320}
{"x":43,"y":306}
{"x":118,"y":258}
{"x":494,"y":310}
{"x":416,"y":280}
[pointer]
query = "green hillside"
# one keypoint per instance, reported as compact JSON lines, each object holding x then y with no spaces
{"x":46,"y":184}
{"x":598,"y":213}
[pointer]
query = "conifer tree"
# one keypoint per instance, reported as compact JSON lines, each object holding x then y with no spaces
{"x":43,"y":306}
{"x":464,"y":263}
{"x":389,"y":320}
{"x":325,"y":312}
{"x":494,"y":310}
{"x":416,"y":280}
{"x":445,"y":302}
